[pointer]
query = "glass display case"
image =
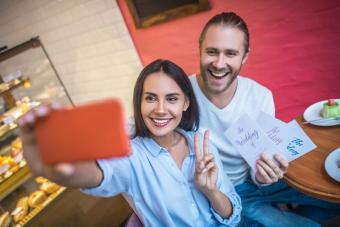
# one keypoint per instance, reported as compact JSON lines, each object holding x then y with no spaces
{"x":27,"y":79}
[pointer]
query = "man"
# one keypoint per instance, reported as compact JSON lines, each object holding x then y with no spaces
{"x":223,"y":96}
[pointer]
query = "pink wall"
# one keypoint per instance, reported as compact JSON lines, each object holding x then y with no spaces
{"x":295,"y":48}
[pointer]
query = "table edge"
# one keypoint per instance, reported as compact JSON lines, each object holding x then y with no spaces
{"x":330,"y":197}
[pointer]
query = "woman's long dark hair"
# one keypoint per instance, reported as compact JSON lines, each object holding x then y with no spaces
{"x":190,"y":117}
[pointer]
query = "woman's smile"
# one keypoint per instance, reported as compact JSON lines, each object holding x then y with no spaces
{"x":161,"y":122}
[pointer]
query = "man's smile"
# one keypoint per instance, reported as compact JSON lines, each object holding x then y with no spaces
{"x":218,"y":75}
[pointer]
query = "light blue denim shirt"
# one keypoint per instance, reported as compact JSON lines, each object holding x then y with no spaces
{"x":163,"y":194}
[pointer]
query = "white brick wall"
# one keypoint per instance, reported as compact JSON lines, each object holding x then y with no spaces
{"x":87,"y":41}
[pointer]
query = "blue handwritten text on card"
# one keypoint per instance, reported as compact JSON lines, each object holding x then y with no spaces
{"x":293,"y":145}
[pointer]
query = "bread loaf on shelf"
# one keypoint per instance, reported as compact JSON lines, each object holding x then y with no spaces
{"x":41,"y":180}
{"x":36,"y":198}
{"x":21,"y":209}
{"x":49,"y":187}
{"x":5,"y":219}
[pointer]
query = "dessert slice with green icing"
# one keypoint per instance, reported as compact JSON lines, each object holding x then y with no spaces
{"x":330,"y":109}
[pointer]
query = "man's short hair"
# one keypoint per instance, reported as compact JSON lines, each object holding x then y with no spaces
{"x":228,"y":19}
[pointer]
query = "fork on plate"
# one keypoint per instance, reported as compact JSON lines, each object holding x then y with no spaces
{"x":321,"y":120}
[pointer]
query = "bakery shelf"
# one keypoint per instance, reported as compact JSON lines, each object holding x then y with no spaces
{"x":14,"y":181}
{"x":12,"y":115}
{"x":25,"y":221}
{"x":5,"y":150}
{"x":4,"y":87}
{"x":8,"y":130}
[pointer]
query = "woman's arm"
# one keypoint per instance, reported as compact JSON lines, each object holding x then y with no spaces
{"x":206,"y":175}
{"x":220,"y":203}
{"x":77,"y":175}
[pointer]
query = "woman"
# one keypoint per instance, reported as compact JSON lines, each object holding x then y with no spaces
{"x":170,"y":181}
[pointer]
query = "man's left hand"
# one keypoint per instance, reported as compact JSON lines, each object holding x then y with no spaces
{"x":268,"y":171}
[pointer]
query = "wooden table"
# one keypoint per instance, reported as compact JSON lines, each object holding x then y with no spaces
{"x":307,"y":173}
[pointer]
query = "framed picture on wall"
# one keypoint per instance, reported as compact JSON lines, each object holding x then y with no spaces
{"x":146,"y":13}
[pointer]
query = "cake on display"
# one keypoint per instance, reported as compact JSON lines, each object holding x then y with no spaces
{"x":330,"y":109}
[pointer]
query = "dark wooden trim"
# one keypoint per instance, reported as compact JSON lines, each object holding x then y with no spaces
{"x":34,"y":42}
{"x":3,"y":48}
{"x":179,"y":12}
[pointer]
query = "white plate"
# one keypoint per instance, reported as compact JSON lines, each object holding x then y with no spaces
{"x":332,"y":164}
{"x":314,"y":112}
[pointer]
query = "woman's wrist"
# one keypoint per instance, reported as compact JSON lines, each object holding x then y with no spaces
{"x":220,"y":203}
{"x":211,"y":193}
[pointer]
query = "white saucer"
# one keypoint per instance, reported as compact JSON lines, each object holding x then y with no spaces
{"x":332,"y":166}
{"x":314,"y":112}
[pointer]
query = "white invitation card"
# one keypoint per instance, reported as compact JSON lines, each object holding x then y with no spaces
{"x":268,"y":135}
{"x":250,"y":140}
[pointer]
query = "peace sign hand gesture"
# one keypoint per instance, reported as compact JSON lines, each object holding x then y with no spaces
{"x":206,"y":170}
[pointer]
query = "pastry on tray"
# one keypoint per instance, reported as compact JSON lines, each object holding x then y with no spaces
{"x":5,"y":219}
{"x":49,"y":187}
{"x":21,"y":209}
{"x":36,"y":198}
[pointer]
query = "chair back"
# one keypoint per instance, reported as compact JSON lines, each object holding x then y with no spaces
{"x":133,"y":221}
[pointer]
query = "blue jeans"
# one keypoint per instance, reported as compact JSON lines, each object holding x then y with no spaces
{"x":259,"y":206}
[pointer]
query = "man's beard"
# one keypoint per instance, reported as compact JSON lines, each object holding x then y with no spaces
{"x":232,"y":77}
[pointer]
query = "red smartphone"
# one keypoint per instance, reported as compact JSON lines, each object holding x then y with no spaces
{"x":87,"y":132}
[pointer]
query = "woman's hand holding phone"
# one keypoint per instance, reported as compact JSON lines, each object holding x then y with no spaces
{"x":66,"y":174}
